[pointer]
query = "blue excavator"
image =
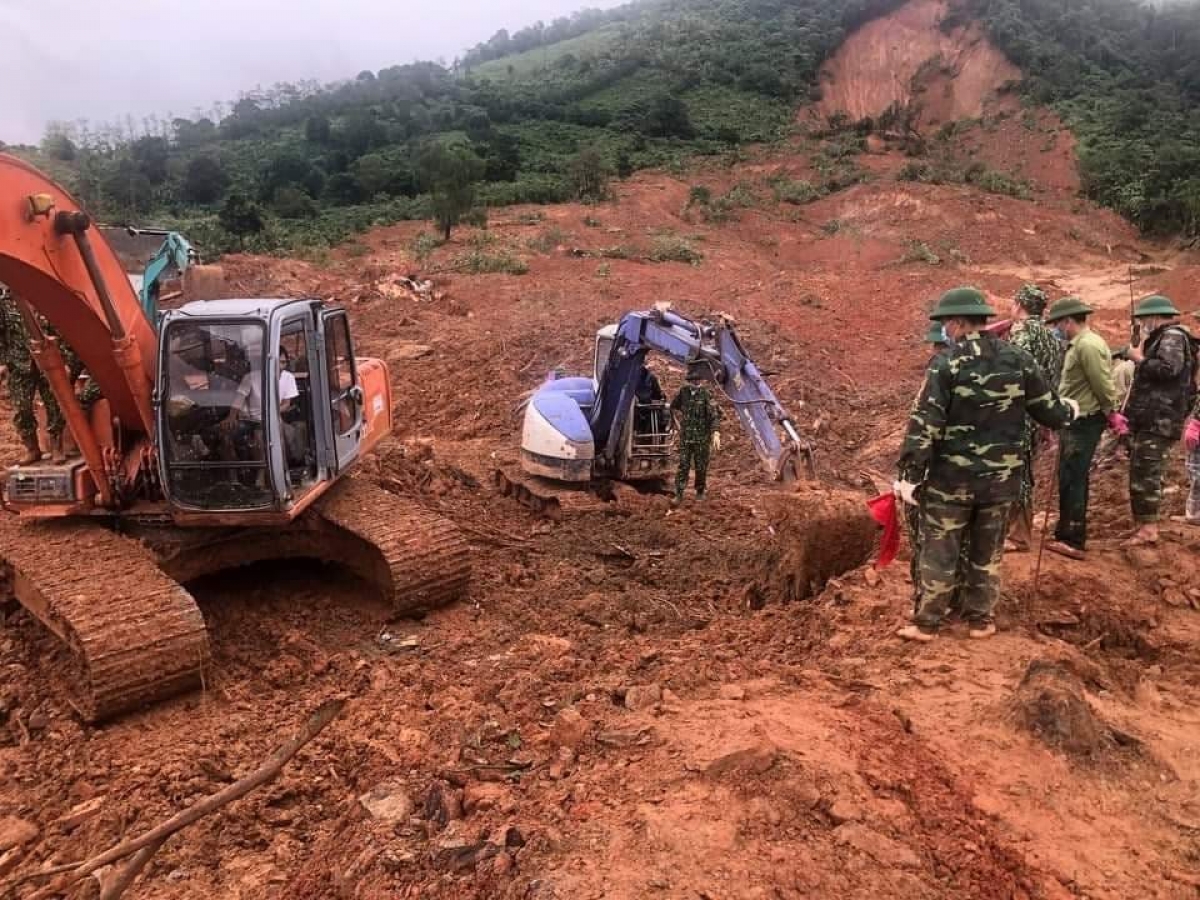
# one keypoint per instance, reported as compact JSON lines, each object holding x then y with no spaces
{"x":616,"y":425}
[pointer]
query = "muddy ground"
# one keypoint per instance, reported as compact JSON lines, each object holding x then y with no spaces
{"x":624,"y":707}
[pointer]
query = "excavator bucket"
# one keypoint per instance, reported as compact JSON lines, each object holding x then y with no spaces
{"x":204,"y":283}
{"x":819,"y":534}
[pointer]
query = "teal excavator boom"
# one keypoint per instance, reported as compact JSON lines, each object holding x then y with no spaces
{"x":174,"y":252}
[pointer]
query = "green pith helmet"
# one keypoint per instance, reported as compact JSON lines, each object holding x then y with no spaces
{"x":1032,"y":298}
{"x":1068,"y":306}
{"x":961,"y":301}
{"x":1155,"y":305}
{"x":936,"y":334}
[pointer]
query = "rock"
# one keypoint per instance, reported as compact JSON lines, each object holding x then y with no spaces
{"x":643,"y":696}
{"x":1143,"y":557}
{"x":748,"y":761}
{"x":881,"y":849}
{"x":38,"y":721}
{"x":483,"y":795}
{"x":502,"y":864}
{"x":9,"y":859}
{"x":570,"y":729}
{"x":731,"y":692}
{"x":625,"y":737}
{"x":388,"y":802}
{"x":16,"y":832}
{"x":561,"y":766}
{"x":456,"y":853}
{"x":1174,"y":597}
{"x":443,"y":804}
{"x":842,"y":811}
{"x":871,"y":577}
{"x":80,"y":813}
{"x":410,"y":351}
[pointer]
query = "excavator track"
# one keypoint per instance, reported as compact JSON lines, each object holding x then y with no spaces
{"x":546,"y":497}
{"x":419,"y":560}
{"x":135,"y":635}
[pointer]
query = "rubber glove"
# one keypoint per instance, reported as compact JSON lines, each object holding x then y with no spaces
{"x":1191,"y":436}
{"x":1074,"y":404}
{"x":906,"y":491}
{"x":1119,"y":424}
{"x":716,"y":442}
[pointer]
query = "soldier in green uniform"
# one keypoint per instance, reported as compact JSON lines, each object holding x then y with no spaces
{"x":962,"y":457}
{"x":1030,"y":333}
{"x":699,"y":417}
{"x":1160,"y":399}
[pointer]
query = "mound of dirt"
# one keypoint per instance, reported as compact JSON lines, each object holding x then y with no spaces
{"x":907,"y":60}
{"x":1051,"y":705}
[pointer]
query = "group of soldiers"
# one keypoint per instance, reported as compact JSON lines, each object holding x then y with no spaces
{"x":26,"y":382}
{"x":983,"y":416}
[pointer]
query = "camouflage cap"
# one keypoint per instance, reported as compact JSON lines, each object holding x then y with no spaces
{"x":1155,"y":305}
{"x":1032,"y":298}
{"x":961,"y":301}
{"x":936,"y":334}
{"x":1068,"y":306}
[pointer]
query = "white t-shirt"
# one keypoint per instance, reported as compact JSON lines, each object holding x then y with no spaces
{"x":251,"y":395}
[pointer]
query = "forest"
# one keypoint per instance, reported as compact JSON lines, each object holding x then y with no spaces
{"x":549,"y":112}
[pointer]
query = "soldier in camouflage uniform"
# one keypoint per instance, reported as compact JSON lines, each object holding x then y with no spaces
{"x":963,"y":454}
{"x":1030,"y":333}
{"x":24,"y":378}
{"x":1160,"y":399}
{"x":939,"y":344}
{"x":699,"y":417}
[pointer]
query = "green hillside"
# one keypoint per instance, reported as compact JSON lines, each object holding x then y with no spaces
{"x":547,"y":113}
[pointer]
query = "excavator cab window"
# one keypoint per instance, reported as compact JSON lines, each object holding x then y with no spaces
{"x":213,"y":394}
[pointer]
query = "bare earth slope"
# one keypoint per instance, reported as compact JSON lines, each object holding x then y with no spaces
{"x":625,"y":709}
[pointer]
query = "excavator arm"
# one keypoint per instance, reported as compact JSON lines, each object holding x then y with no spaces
{"x":715,"y":347}
{"x":60,"y":268}
{"x":175,"y":251}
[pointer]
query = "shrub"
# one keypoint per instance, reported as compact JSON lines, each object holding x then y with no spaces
{"x":424,"y":244}
{"x":919,"y":251}
{"x":797,"y":191}
{"x":483,"y":262}
{"x":672,"y":248}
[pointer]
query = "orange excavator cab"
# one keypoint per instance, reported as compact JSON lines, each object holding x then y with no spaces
{"x":232,"y":421}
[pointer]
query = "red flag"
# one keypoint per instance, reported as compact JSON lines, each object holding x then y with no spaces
{"x":884,"y":511}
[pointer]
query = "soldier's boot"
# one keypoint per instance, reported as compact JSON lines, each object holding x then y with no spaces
{"x":916,"y":633}
{"x":981,"y":631}
{"x":33,"y":452}
{"x":58,"y":455}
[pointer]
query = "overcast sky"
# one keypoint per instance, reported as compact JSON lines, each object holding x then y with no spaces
{"x":70,"y":59}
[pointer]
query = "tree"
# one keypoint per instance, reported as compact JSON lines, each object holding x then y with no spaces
{"x":59,"y":146}
{"x":151,"y":154}
{"x":240,"y":216}
{"x":204,"y":181}
{"x":624,"y":164}
{"x":127,"y":190}
{"x":373,"y":174}
{"x":290,"y":202}
{"x":342,"y":189}
{"x":449,"y":173}
{"x":317,"y":130}
{"x":587,"y":175}
{"x":290,"y":167}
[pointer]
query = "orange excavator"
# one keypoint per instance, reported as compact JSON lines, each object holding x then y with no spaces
{"x":224,"y":437}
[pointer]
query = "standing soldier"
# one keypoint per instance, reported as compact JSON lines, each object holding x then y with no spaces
{"x":24,"y":378}
{"x":1031,"y":335}
{"x":962,"y":453}
{"x":699,"y":417}
{"x":1087,"y":382}
{"x":939,"y":346}
{"x":1159,"y":402}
